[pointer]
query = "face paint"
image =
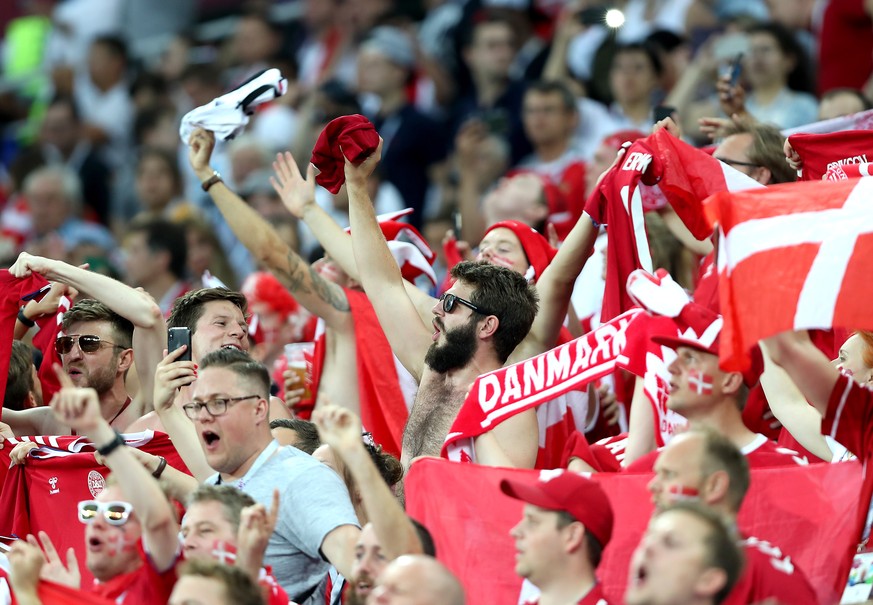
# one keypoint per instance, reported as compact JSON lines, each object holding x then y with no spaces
{"x":700,"y":383}
{"x":502,"y":261}
{"x":681,"y":493}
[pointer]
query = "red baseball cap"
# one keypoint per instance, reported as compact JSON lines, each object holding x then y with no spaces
{"x":700,"y":329}
{"x":561,"y":490}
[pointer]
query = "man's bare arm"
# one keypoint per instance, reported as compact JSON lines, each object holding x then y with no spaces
{"x":406,"y":332}
{"x":137,"y":306}
{"x":320,"y":297}
{"x":298,"y":196}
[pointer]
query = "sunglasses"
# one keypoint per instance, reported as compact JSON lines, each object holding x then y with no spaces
{"x":87,"y":342}
{"x":450,"y":300}
{"x":115,"y":513}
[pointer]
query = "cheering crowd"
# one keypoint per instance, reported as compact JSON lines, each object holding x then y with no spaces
{"x":437,"y":302}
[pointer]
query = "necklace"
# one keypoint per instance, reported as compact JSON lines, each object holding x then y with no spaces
{"x":120,"y":411}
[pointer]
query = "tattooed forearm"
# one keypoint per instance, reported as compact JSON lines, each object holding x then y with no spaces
{"x":329,"y":292}
{"x":300,"y":278}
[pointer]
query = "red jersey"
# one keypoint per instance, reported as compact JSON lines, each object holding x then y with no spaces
{"x":42,"y":494}
{"x":760,"y":453}
{"x":594,"y":597}
{"x":848,"y":421}
{"x":768,"y":574}
{"x":145,"y":586}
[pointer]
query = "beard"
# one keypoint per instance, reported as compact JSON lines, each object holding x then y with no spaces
{"x":352,"y":596}
{"x":456,"y":352}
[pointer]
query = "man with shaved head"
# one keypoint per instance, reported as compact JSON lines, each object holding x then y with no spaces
{"x":419,"y":580}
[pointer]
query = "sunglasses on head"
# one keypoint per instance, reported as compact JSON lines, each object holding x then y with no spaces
{"x":450,"y":300}
{"x":115,"y":513}
{"x":87,"y":342}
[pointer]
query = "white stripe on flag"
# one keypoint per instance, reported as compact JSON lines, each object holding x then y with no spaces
{"x":818,"y":298}
{"x":735,"y":180}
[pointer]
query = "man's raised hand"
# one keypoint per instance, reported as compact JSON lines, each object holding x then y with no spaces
{"x":296,"y":192}
{"x":170,"y":376}
{"x":358,"y":174}
{"x":200,"y":147}
{"x":338,"y":427}
{"x":76,"y":407}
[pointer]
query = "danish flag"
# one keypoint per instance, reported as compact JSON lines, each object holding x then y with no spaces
{"x":792,"y":257}
{"x":224,"y":552}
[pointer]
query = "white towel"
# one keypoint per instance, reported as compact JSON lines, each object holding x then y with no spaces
{"x":227,"y":115}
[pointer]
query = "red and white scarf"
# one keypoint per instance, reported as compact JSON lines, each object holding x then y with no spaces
{"x":501,"y":394}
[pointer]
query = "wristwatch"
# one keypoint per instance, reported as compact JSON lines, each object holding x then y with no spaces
{"x":215,"y":178}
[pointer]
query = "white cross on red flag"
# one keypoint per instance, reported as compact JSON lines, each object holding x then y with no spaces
{"x":793,"y":257}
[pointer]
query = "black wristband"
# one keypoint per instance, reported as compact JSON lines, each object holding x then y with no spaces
{"x":24,"y":319}
{"x":161,"y":466}
{"x":105,"y":450}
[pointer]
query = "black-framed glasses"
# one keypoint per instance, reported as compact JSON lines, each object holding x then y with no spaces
{"x":116,"y":513}
{"x":449,"y":301}
{"x":87,"y":342}
{"x":215,"y":407}
{"x":738,"y":163}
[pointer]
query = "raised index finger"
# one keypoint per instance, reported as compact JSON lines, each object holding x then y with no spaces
{"x":63,"y":378}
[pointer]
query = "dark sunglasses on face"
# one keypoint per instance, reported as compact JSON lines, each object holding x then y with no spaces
{"x":87,"y":342}
{"x":449,"y":301}
{"x":115,"y":513}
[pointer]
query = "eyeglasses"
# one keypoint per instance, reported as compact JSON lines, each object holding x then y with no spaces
{"x":738,"y":163}
{"x":115,"y":513}
{"x":215,"y":407}
{"x":449,"y":301}
{"x":87,"y":342}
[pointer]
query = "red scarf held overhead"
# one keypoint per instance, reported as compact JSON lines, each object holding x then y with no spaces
{"x":353,"y":137}
{"x":831,"y":152}
{"x":501,"y":394}
{"x":12,"y":292}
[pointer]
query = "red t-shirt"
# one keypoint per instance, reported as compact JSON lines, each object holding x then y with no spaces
{"x":769,"y":574}
{"x":848,"y":420}
{"x":145,"y":586}
{"x":760,"y":453}
{"x":594,"y":597}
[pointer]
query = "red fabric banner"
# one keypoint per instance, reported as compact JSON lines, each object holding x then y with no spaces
{"x":809,"y":512}
{"x":816,"y":237}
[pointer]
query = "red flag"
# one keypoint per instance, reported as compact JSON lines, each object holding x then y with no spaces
{"x":49,"y":330}
{"x":809,"y":512}
{"x":793,"y":257}
{"x":51,"y":593}
{"x":685,"y":175}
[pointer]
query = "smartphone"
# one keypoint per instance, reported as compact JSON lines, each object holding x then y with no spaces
{"x":176,"y":337}
{"x":456,"y":224}
{"x":664,"y":111}
{"x":736,"y":69}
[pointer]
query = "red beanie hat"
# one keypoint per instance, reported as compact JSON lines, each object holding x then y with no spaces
{"x":537,"y":249}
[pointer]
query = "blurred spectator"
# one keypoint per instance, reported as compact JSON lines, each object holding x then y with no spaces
{"x":296,"y":432}
{"x":779,"y":76}
{"x":60,"y":142}
{"x":674,"y":52}
{"x":154,"y":259}
{"x":77,"y":24}
{"x":23,"y":389}
{"x":634,"y":78}
{"x":158,"y":127}
{"x":427,"y":578}
{"x":159,"y":185}
{"x":54,"y":198}
{"x":214,"y":583}
{"x":550,"y":121}
{"x":256,"y":40}
{"x":205,"y":254}
{"x":845,"y":46}
{"x":487,"y":51}
{"x":324,"y":52}
{"x":412,"y":142}
{"x":102,"y":96}
{"x":839,"y":102}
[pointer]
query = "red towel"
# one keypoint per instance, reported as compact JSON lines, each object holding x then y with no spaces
{"x":358,"y":139}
